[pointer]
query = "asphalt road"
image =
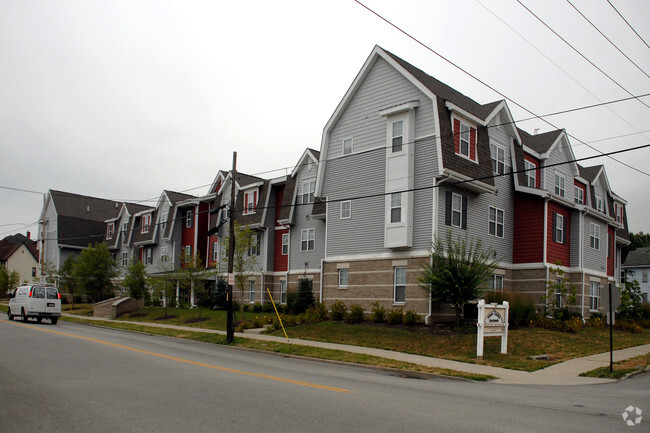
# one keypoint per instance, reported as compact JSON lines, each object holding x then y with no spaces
{"x":76,"y":378}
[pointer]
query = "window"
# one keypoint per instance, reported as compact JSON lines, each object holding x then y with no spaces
{"x":109,"y":230}
{"x":495,"y":283}
{"x":343,"y":277}
{"x":456,"y":210}
{"x":254,"y":247}
{"x":308,"y":189}
{"x":398,"y":131}
{"x":498,"y":155}
{"x":559,"y":185}
{"x":464,"y":139}
{"x":396,"y":207}
{"x":148,"y":258}
{"x":644,"y":275}
{"x":146,"y":222}
{"x":188,"y":251}
{"x":283,"y":291}
{"x":559,"y":228}
{"x":531,"y":180}
{"x":250,"y":202}
{"x":399,"y":292}
{"x":307,"y":238}
{"x":347,"y":146}
{"x":188,"y":219}
{"x":251,"y":291}
{"x":285,"y":244}
{"x":600,"y":205}
{"x":163,"y":220}
{"x":346,"y":209}
{"x":215,"y":251}
{"x":125,"y":259}
{"x":594,"y":295}
{"x":594,"y":236}
{"x":619,"y":212}
{"x":164,"y":254}
{"x":579,"y":195}
{"x":495,"y":222}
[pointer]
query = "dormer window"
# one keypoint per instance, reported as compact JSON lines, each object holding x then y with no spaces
{"x":600,"y":204}
{"x":250,"y":202}
{"x":110,"y":228}
{"x":619,"y":212}
{"x":146,"y":222}
{"x":398,"y":136}
{"x":308,"y":189}
{"x":559,"y":184}
{"x":531,"y":181}
{"x":464,"y":140}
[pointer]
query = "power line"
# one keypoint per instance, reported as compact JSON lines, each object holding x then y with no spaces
{"x":608,"y":40}
{"x":628,"y":24}
{"x":485,"y":84}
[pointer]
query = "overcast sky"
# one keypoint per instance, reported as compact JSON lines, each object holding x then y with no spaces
{"x":122,"y":99}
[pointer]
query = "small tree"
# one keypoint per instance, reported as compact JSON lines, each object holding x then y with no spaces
{"x":136,"y":279}
{"x":305,"y":298}
{"x":561,"y":294}
{"x":193,"y":275}
{"x":245,"y":259}
{"x":631,"y":300}
{"x":220,"y":295}
{"x":456,"y":271}
{"x":4,"y":281}
{"x":67,"y":281}
{"x":13,"y":280}
{"x":94,"y":270}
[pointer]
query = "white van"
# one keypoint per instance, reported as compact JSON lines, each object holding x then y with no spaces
{"x":38,"y":301}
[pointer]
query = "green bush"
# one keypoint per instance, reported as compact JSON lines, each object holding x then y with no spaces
{"x":522,"y":308}
{"x":337,"y":310}
{"x":268,"y":308}
{"x":378,"y":314}
{"x":395,"y":317}
{"x":315,"y":314}
{"x":356,"y":314}
{"x":257,"y":308}
{"x":573,"y":325}
{"x":410,"y":318}
{"x":628,"y":326}
{"x":305,"y":298}
{"x":596,"y":320}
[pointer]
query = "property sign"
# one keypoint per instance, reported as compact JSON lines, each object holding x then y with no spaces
{"x":492,"y":322}
{"x":231,"y":279}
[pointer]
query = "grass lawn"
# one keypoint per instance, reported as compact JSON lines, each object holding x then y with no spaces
{"x":621,"y":368}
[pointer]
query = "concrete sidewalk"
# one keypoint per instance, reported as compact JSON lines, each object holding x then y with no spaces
{"x":564,"y":373}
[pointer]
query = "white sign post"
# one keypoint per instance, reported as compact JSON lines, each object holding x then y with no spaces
{"x":492,"y":322}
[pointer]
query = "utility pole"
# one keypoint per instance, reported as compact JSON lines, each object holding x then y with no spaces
{"x":230,"y":330}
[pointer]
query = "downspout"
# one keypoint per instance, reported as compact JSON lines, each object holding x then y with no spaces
{"x":322,"y":269}
{"x":582,"y":266}
{"x":545,"y":252}
{"x":434,"y":233}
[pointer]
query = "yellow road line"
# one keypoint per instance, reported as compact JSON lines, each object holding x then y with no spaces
{"x":187,"y":361}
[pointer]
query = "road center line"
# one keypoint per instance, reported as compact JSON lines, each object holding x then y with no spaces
{"x":187,"y":361}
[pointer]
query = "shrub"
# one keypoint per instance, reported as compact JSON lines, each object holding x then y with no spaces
{"x":246,"y":324}
{"x":378,"y":314}
{"x":315,"y":314}
{"x":305,"y":298}
{"x":573,"y":325}
{"x":522,"y":309}
{"x":395,"y":317}
{"x":268,"y":308}
{"x":356,"y":314}
{"x":337,"y":310}
{"x":411,"y":318}
{"x":257,"y":308}
{"x":628,"y":326}
{"x":596,"y":320}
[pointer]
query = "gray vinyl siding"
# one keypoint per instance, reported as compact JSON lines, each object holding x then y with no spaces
{"x":559,"y":155}
{"x":363,"y":172}
{"x":595,"y":260}
{"x":303,"y":220}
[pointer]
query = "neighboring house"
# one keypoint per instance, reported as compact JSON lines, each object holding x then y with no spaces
{"x":637,"y":267}
{"x":405,"y":158}
{"x":20,"y":253}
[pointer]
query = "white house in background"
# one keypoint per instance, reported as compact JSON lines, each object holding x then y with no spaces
{"x":637,"y":266}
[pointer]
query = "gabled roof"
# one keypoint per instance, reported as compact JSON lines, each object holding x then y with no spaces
{"x":638,"y":257}
{"x":10,"y":244}
{"x":540,"y":143}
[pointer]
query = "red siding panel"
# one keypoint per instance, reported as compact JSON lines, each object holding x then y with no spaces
{"x":528,"y":246}
{"x":558,"y":252}
{"x":280,"y":262}
{"x":611,"y":251}
{"x":457,"y":136}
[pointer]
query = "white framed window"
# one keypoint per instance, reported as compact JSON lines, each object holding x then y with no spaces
{"x":495,"y":283}
{"x":559,"y":282}
{"x":531,"y":174}
{"x":148,"y":256}
{"x":164,"y":254}
{"x":578,"y":195}
{"x":215,"y":251}
{"x":600,"y":204}
{"x":398,"y":136}
{"x":558,"y":228}
{"x":399,"y":284}
{"x":347,"y":146}
{"x":456,"y":210}
{"x":495,"y":222}
{"x":188,"y":251}
{"x":188,"y":219}
{"x":250,"y":202}
{"x":283,"y":291}
{"x":146,"y":222}
{"x":285,"y":244}
{"x":559,"y":184}
{"x":307,"y":192}
{"x":343,"y":277}
{"x":307,"y":239}
{"x":254,"y":247}
{"x":396,"y":207}
{"x":346,"y":209}
{"x":594,"y":296}
{"x":251,"y":291}
{"x":644,"y":275}
{"x":464,"y":139}
{"x":110,"y":227}
{"x":619,"y":212}
{"x":594,"y":236}
{"x":163,"y":220}
{"x":498,"y":155}
{"x":125,"y":259}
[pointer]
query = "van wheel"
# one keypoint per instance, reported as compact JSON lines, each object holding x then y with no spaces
{"x":23,"y":316}
{"x":9,"y":315}
{"x":39,"y":319}
{"x":54,"y":320}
